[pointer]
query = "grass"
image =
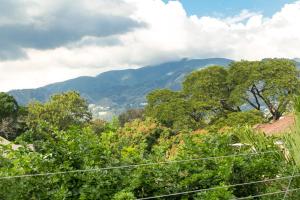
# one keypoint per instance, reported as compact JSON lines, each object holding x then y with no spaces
{"x":294,"y":137}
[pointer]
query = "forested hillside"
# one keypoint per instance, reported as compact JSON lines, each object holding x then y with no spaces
{"x":194,"y":143}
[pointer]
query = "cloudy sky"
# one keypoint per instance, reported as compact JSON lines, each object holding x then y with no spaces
{"x":46,"y":41}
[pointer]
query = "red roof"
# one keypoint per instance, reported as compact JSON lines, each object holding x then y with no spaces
{"x":284,"y":124}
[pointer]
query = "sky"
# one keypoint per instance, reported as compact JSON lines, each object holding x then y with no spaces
{"x":223,"y":8}
{"x":49,"y":41}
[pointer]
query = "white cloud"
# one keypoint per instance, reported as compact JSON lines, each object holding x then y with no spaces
{"x":244,"y":15}
{"x":169,"y":33}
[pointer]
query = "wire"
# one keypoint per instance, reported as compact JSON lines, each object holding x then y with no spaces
{"x":290,"y":181}
{"x":219,"y":187}
{"x":133,"y":166}
{"x":268,"y":194}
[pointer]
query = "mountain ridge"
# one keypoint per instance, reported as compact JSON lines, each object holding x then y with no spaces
{"x":161,"y":76}
{"x":112,"y":92}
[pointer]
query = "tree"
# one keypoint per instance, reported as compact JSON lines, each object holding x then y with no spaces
{"x":215,"y":92}
{"x":11,"y":115}
{"x":130,"y":115}
{"x":98,"y":125}
{"x":61,"y":111}
{"x":208,"y":93}
{"x":8,"y":106}
{"x":237,"y":119}
{"x":172,"y":110}
{"x":270,"y":84}
{"x":208,"y":86}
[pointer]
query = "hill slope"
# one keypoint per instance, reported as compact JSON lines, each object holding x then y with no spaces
{"x":122,"y":89}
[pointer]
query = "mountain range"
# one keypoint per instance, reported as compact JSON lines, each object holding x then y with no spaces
{"x":112,"y":92}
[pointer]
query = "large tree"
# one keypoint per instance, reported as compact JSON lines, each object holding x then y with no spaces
{"x":9,"y":111}
{"x":172,"y":110}
{"x":269,"y":84}
{"x":61,"y":111}
{"x":8,"y":106}
{"x":209,"y":88}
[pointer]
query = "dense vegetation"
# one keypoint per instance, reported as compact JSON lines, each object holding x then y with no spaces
{"x":197,"y":143}
{"x":214,"y":93}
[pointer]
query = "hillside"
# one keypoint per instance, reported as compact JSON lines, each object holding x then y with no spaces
{"x":114,"y":91}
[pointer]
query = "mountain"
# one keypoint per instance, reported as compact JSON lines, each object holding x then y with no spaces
{"x":113,"y":91}
{"x":297,"y":60}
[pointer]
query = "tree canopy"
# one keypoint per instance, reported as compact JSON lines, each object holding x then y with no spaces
{"x":8,"y":106}
{"x":12,"y":116}
{"x":172,"y":109}
{"x":61,"y":111}
{"x":267,"y":86}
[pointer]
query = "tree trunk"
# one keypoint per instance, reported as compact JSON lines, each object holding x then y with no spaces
{"x":276,"y":115}
{"x":275,"y":112}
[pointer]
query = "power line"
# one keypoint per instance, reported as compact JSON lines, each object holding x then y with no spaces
{"x":219,"y":187}
{"x":290,"y":181}
{"x":268,"y":194}
{"x":134,"y":165}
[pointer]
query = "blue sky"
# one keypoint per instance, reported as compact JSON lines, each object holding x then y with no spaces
{"x":223,"y":8}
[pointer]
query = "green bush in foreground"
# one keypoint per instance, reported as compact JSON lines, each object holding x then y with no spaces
{"x":79,"y":148}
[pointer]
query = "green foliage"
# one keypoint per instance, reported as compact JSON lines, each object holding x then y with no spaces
{"x":293,"y":137}
{"x":208,"y":86}
{"x":74,"y":149}
{"x":11,"y":117}
{"x":215,"y":195}
{"x":130,"y":115}
{"x":297,"y":104}
{"x":8,"y":106}
{"x":139,"y":142}
{"x":61,"y":111}
{"x":138,"y":138}
{"x":124,"y":196}
{"x":98,"y":126}
{"x":237,"y":119}
{"x":218,"y":95}
{"x":81,"y":159}
{"x":172,"y":110}
{"x":271,"y":83}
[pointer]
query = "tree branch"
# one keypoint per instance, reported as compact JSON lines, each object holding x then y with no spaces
{"x":252,"y":104}
{"x":275,"y":112}
{"x":228,"y":107}
{"x":256,"y":99}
